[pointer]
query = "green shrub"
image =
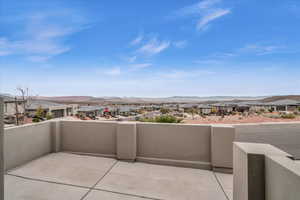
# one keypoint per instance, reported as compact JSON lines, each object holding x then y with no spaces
{"x":162,"y":119}
{"x":288,"y":116}
{"x":276,"y":117}
{"x":258,"y":113}
{"x":273,"y":116}
{"x":48,"y":116}
{"x":35,"y":120}
{"x":262,"y":110}
{"x":167,"y":119}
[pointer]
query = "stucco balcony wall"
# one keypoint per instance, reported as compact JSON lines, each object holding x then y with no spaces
{"x":26,"y":143}
{"x":174,"y":144}
{"x":89,"y":137}
{"x":285,"y":135}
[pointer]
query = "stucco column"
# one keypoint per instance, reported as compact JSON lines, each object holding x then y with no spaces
{"x":1,"y":151}
{"x":222,"y":137}
{"x":56,"y":136}
{"x":249,"y":169}
{"x":126,"y":141}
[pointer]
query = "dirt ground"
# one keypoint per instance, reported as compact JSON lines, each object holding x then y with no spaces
{"x":236,"y":119}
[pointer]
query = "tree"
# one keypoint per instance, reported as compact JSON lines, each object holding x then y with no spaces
{"x":192,"y":111}
{"x":26,"y":99}
{"x":164,"y":110}
{"x":214,"y":110}
{"x":40,"y":113}
{"x":17,"y":111}
{"x":24,"y":96}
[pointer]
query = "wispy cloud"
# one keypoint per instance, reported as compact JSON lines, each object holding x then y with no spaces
{"x":114,"y":71}
{"x":37,"y":58}
{"x":208,"y":61}
{"x":250,"y":50}
{"x":206,"y":11}
{"x":197,"y":9}
{"x":139,"y":66}
{"x":180,"y":44}
{"x":131,"y":59}
{"x":261,"y":49}
{"x":43,"y":35}
{"x":154,"y":46}
{"x":180,"y":74}
{"x":137,"y":40}
{"x":206,"y":19}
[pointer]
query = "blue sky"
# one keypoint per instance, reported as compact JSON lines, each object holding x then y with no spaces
{"x":150,"y":48}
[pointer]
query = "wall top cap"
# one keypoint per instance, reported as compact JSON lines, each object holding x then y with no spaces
{"x":260,"y":148}
{"x":134,"y":123}
{"x":222,"y":125}
{"x":288,"y":163}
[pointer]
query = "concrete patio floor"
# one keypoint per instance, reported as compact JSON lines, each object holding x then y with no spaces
{"x":76,"y":177}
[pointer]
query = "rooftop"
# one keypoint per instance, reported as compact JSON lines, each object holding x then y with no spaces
{"x":90,"y":108}
{"x":8,"y":98}
{"x":284,"y":102}
{"x":35,"y":104}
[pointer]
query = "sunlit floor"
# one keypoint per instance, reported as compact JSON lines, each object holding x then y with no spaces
{"x":74,"y":177}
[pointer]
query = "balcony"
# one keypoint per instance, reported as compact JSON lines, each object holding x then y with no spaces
{"x":69,"y":176}
{"x":93,"y":160}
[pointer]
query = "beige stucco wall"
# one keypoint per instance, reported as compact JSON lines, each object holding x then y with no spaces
{"x":89,"y":137}
{"x":282,"y":178}
{"x":249,"y":170}
{"x":126,"y":141}
{"x":175,"y":142}
{"x":200,"y":146}
{"x":25,"y":143}
{"x":1,"y":152}
{"x":222,"y":137}
{"x":282,"y":135}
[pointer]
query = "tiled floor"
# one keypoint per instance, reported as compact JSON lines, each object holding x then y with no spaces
{"x":226,"y":181}
{"x":68,"y":176}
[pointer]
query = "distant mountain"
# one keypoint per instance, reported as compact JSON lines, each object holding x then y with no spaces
{"x":67,"y":98}
{"x":85,"y":100}
{"x":137,"y":100}
{"x":217,"y":98}
{"x":277,"y":98}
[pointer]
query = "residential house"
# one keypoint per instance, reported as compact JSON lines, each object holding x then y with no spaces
{"x":205,"y":109}
{"x":91,"y":111}
{"x":12,"y":105}
{"x":256,"y":106}
{"x":240,"y":106}
{"x":128,"y":110}
{"x":56,"y":110}
{"x":188,"y":107}
{"x":222,"y":108}
{"x":284,"y":105}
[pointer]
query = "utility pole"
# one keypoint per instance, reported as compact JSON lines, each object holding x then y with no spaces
{"x":17,"y":111}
